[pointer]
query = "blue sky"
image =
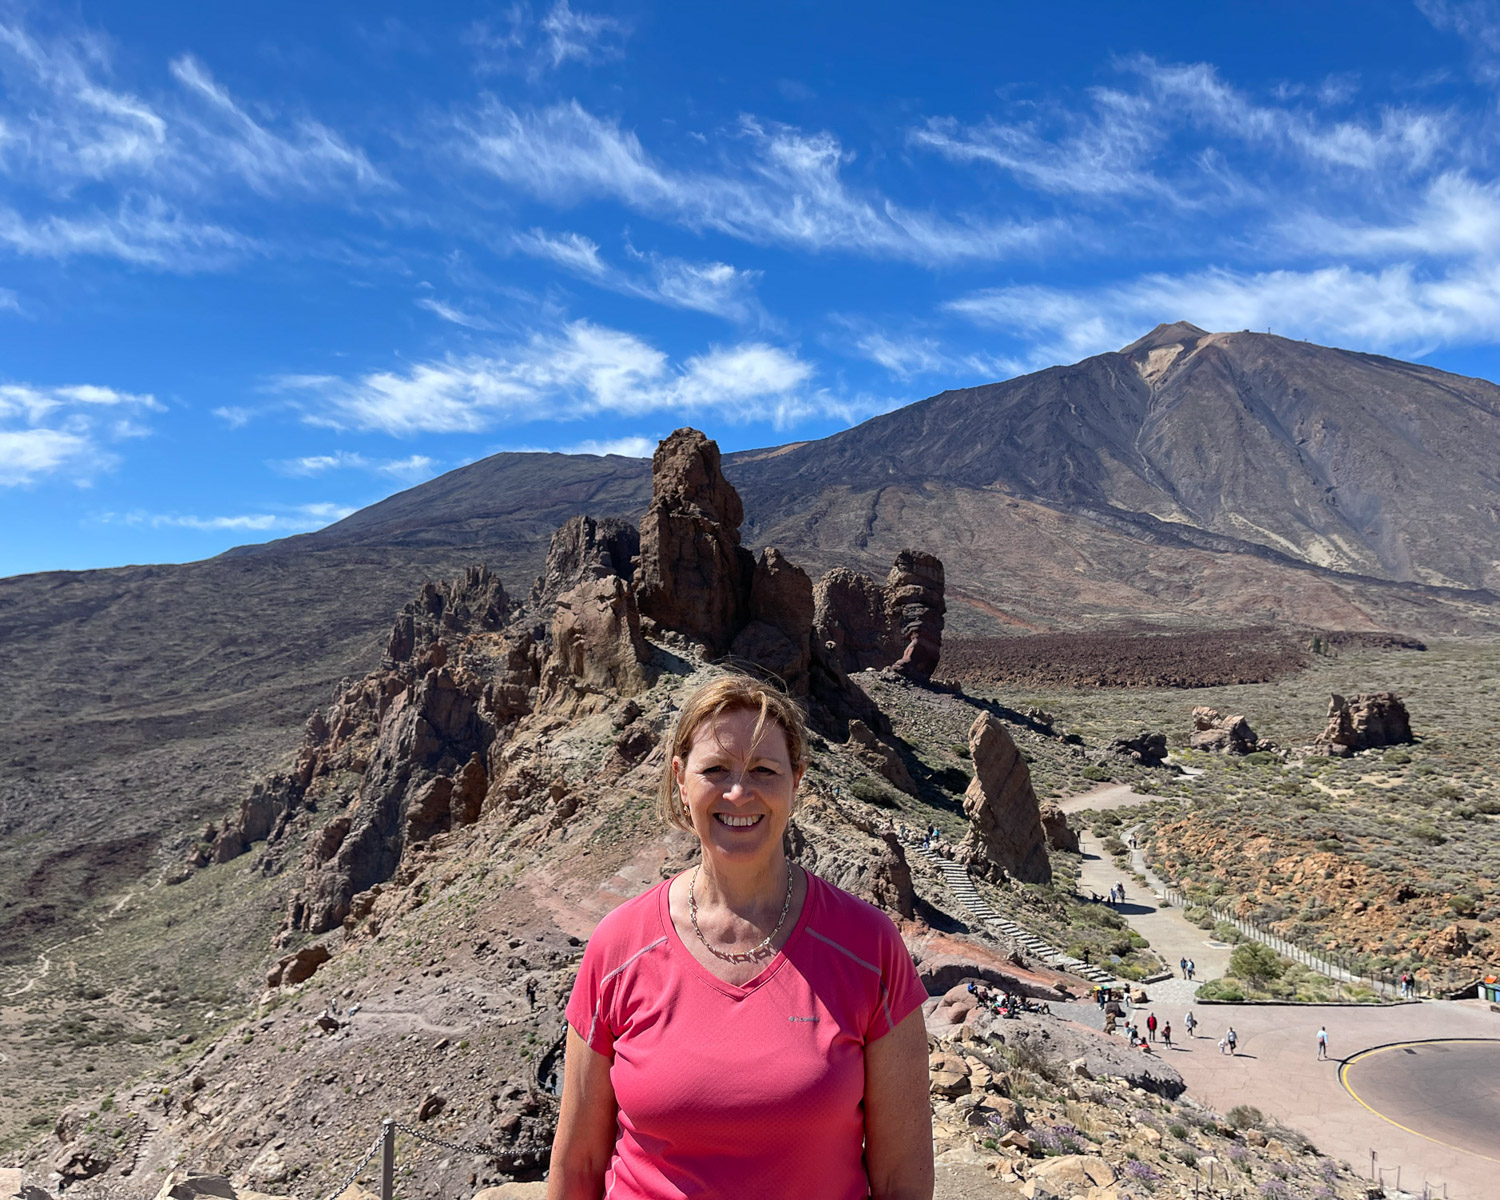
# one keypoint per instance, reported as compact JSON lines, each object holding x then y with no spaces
{"x":262,"y":265}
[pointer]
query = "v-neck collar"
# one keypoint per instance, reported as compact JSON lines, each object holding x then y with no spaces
{"x":733,"y":991}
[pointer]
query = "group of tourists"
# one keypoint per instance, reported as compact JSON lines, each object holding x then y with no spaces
{"x":1189,"y":968}
{"x":1005,"y":1003}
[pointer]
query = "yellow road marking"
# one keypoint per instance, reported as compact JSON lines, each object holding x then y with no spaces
{"x":1344,"y":1081}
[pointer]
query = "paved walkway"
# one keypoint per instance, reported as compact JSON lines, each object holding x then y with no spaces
{"x":1277,"y":1069}
{"x":1170,"y":933}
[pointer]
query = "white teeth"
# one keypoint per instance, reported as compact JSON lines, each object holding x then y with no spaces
{"x":736,"y":822}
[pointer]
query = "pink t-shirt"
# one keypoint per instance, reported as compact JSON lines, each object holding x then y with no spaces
{"x":755,"y":1090}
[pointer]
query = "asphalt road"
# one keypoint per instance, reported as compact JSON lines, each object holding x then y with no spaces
{"x":1448,"y":1091}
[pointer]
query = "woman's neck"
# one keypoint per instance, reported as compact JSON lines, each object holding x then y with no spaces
{"x":748,"y":890}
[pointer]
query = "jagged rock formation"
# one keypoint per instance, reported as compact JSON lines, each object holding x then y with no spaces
{"x":584,"y":548}
{"x":426,"y":736}
{"x":864,"y":625}
{"x":1147,"y":748}
{"x":779,"y":635}
{"x":1364,"y":722}
{"x":880,"y":755}
{"x":1005,"y":827}
{"x":876,"y":870}
{"x":914,"y":591}
{"x":694,"y":577}
{"x":1220,"y":734}
{"x":596,"y":641}
{"x":477,"y":601}
{"x":1060,"y":835}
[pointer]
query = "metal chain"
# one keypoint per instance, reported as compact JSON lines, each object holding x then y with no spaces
{"x":354,"y":1174}
{"x":462,"y":1149}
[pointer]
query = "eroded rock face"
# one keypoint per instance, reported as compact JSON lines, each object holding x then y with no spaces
{"x":779,"y":635}
{"x":863,"y":624}
{"x":694,"y":576}
{"x":1060,"y":835}
{"x":1220,"y":734}
{"x":1146,"y":747}
{"x":873,"y":866}
{"x":596,"y":640}
{"x":914,"y":597}
{"x":852,"y":620}
{"x":582,"y":549}
{"x":1364,"y":722}
{"x":475,"y":601}
{"x":1005,"y":825}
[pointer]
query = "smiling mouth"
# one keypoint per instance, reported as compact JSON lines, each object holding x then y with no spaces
{"x":736,"y":822}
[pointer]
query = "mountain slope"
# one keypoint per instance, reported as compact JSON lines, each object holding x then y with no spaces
{"x":1348,"y":461}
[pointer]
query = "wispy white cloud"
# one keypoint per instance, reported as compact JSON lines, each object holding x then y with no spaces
{"x":144,"y":231}
{"x":312,"y":159}
{"x":711,"y":287}
{"x":518,"y":41}
{"x":301,"y":518}
{"x":580,"y":371}
{"x":453,"y":315}
{"x":788,"y":190}
{"x":1454,"y":216}
{"x":909,"y":354}
{"x":1397,"y":309}
{"x":626,"y":447}
{"x":66,"y":123}
{"x":586,"y":37}
{"x":571,"y":250}
{"x":1477,"y":22}
{"x":65,"y":432}
{"x":410,"y":469}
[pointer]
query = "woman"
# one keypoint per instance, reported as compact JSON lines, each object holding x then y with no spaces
{"x":743,"y":1029}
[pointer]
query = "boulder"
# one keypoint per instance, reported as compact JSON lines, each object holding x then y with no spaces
{"x":1005,"y":826}
{"x":1070,"y":1173}
{"x":1364,"y":722}
{"x":948,"y":1074}
{"x":1060,"y":835}
{"x":881,"y":756}
{"x":298,"y":966}
{"x":1146,"y":747}
{"x":1220,"y":734}
{"x":184,"y":1185}
{"x":514,"y":1191}
{"x":694,"y":577}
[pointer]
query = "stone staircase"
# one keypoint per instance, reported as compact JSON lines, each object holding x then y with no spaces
{"x":962,"y":886}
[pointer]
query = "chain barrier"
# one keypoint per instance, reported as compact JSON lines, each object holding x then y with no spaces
{"x":488,"y":1151}
{"x":354,"y":1174}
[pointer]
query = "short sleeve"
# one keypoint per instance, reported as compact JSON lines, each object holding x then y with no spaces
{"x":901,"y":990}
{"x":586,"y":1006}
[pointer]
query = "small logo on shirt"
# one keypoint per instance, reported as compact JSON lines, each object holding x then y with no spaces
{"x":809,"y":1020}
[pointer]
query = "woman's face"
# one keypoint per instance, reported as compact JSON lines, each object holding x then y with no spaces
{"x":738,"y":794}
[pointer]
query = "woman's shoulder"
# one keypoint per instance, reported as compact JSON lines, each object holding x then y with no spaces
{"x":850,"y":914}
{"x":633,"y":924}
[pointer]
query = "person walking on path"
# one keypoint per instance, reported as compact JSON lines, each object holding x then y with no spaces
{"x":1192,"y":969}
{"x":1231,"y":1039}
{"x":1151,"y":1026}
{"x":1322,"y":1043}
{"x":1183,"y":965}
{"x":1223,"y":1045}
{"x":1190,"y":1023}
{"x":1166,"y":1034}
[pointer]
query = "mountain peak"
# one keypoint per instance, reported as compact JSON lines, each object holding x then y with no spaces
{"x":1173,"y":334}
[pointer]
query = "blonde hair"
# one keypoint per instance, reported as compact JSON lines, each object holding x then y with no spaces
{"x":727,"y":694}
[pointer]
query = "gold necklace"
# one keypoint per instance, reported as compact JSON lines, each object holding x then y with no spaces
{"x":750,"y":954}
